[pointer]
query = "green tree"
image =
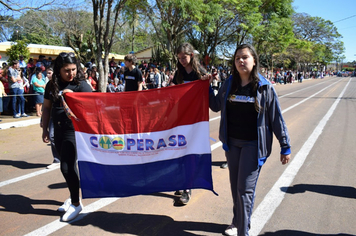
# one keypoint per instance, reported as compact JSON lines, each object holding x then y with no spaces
{"x":18,"y":48}
{"x":275,"y":30}
{"x":171,"y":20}
{"x":6,"y":25}
{"x":324,"y":35}
{"x":76,"y":29}
{"x":105,"y":17}
{"x":134,"y":32}
{"x":224,"y":25}
{"x":36,"y":27}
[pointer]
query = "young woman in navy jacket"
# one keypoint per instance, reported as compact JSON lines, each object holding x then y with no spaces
{"x":250,"y":115}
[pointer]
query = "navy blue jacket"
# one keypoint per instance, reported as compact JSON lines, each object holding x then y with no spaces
{"x":269,"y":118}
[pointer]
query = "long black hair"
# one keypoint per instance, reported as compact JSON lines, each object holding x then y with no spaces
{"x":254,"y":77}
{"x":62,"y":60}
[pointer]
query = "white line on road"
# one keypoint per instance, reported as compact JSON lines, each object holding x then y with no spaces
{"x":21,"y":123}
{"x":306,"y":99}
{"x":275,"y":196}
{"x":285,"y":95}
{"x":57,"y":224}
{"x":23,"y":177}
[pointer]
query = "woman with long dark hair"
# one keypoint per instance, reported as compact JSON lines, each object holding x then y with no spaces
{"x":67,"y":77}
{"x":250,"y":115}
{"x":188,"y":69}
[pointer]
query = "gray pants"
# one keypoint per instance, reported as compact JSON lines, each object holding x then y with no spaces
{"x":243,"y":172}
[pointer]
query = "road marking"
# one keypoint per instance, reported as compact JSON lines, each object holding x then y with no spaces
{"x":57,"y":224}
{"x":216,"y":145}
{"x":215,"y":118}
{"x":22,"y":123}
{"x":306,"y":99}
{"x":274,"y":197}
{"x":285,"y":95}
{"x":14,"y":180}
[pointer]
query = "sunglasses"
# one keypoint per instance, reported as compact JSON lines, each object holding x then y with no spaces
{"x":64,"y":54}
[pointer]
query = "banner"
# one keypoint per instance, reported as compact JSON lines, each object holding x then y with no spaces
{"x":143,"y":142}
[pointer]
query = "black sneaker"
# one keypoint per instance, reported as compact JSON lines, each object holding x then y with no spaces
{"x":186,"y":195}
{"x":178,"y":192}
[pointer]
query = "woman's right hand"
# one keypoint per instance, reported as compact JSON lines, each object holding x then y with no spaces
{"x":45,"y":136}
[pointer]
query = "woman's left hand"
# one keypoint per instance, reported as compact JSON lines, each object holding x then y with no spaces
{"x":285,"y":159}
{"x":67,"y":91}
{"x":208,"y":76}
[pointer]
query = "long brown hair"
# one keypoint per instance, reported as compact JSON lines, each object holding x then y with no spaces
{"x":188,"y":49}
{"x":254,"y":77}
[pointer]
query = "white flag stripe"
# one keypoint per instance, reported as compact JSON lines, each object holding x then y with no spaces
{"x":93,"y":147}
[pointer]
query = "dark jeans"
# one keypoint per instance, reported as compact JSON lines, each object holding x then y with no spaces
{"x":55,"y":154}
{"x":6,"y":101}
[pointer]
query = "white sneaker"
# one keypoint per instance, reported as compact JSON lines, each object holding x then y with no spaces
{"x":72,"y":212}
{"x":65,"y":205}
{"x":53,"y":165}
{"x":231,"y":230}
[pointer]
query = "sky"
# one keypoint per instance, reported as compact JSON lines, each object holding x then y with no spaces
{"x":336,"y":11}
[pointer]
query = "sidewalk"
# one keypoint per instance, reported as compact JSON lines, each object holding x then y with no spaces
{"x":9,"y":122}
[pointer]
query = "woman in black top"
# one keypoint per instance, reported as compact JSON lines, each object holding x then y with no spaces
{"x":250,"y":115}
{"x":67,"y":77}
{"x":188,"y":69}
{"x":188,"y":66}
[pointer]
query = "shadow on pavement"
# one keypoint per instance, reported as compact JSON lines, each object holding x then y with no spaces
{"x":144,"y":224}
{"x":23,"y":205}
{"x":22,"y":164}
{"x":299,"y":233}
{"x":217,"y":163}
{"x":58,"y":185}
{"x":332,"y":190}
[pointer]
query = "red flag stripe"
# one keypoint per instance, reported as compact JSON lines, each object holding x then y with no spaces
{"x":143,"y":111}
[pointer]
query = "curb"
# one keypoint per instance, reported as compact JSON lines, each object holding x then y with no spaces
{"x":22,"y":123}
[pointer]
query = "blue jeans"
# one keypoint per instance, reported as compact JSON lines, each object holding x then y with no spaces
{"x":18,"y":94}
{"x":21,"y":107}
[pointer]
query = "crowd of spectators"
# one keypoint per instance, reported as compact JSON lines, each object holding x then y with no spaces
{"x":154,"y":75}
{"x":33,"y":78}
{"x":24,"y":85}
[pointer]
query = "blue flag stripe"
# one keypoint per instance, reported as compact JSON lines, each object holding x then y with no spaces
{"x":187,"y":172}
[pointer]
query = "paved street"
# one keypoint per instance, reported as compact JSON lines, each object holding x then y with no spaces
{"x":313,"y":195}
